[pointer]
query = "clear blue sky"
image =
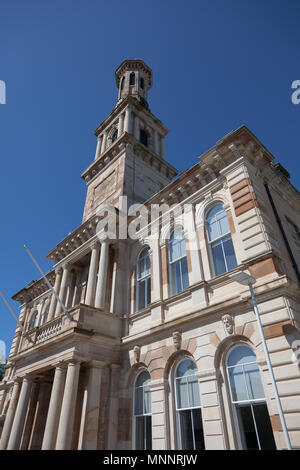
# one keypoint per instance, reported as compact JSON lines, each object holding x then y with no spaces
{"x":217,"y":65}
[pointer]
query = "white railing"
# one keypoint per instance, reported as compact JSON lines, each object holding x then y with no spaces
{"x":48,"y":331}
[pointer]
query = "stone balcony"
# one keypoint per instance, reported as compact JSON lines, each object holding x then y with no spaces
{"x":84,"y":320}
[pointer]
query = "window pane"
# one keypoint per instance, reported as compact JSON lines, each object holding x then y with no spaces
{"x":178,"y":283}
{"x":223,"y":223}
{"x":174,"y":251}
{"x":264,"y":428}
{"x":215,"y":210}
{"x":212,"y":230}
{"x":147,"y":400}
{"x":148,"y":433}
{"x":241,"y":355}
{"x":253,"y":381}
{"x":198,"y":430}
{"x":237,"y":382}
{"x":229,"y":253}
{"x":185,"y":274}
{"x":194,"y":394}
{"x":139,"y":401}
{"x":182,"y":393}
{"x":186,"y":432}
{"x":139,"y":433}
{"x":218,"y":258}
{"x":141,"y":294}
{"x":148,"y":291}
{"x":247,"y":428}
{"x":186,"y":367}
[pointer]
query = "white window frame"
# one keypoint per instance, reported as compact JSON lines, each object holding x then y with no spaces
{"x":140,"y":415}
{"x":220,"y":238}
{"x":177,"y":410}
{"x":143,"y":279}
{"x":236,"y":404}
{"x":172,"y":264}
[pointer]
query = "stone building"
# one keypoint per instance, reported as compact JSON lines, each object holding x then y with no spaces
{"x":160,"y":348}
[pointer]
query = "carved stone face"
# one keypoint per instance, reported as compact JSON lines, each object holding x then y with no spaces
{"x":228,"y":323}
{"x":137,"y":353}
{"x":177,"y":339}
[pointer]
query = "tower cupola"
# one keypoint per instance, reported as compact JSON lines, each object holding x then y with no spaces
{"x":134,"y":78}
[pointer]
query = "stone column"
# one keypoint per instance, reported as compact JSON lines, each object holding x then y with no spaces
{"x":92,"y":406}
{"x":156,"y":274}
{"x":10,"y":414}
{"x":98,"y":148}
{"x":102,"y":275}
{"x":30,"y":416}
{"x":136,"y":132}
{"x":63,"y":288}
{"x":120,"y":124}
{"x":19,"y":419}
{"x":58,"y":273}
{"x":103,"y":145}
{"x":162,"y":147}
{"x":113,"y":407}
{"x":127,"y":121}
{"x":92,"y":278}
{"x":54,"y":408}
{"x":118,"y":287}
{"x":67,"y":414}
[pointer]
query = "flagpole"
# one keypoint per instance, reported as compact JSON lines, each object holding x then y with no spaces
{"x":49,"y":285}
{"x":12,"y":312}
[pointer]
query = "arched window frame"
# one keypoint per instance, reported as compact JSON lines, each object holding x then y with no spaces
{"x":179,"y":409}
{"x":146,"y":416}
{"x":132,"y":79}
{"x":143,"y":279}
{"x":33,"y":322}
{"x":178,"y":264}
{"x":45,"y":312}
{"x":226,"y":236}
{"x":235,"y":404}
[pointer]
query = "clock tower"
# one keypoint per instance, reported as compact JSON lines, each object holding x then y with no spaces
{"x":130,"y":154}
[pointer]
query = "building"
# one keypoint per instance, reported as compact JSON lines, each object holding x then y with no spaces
{"x":160,"y":347}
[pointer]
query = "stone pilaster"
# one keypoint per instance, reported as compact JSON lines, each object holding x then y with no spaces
{"x":53,"y":303}
{"x":102,"y":275}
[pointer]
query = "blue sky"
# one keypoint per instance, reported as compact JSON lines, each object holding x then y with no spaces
{"x":216,"y":65}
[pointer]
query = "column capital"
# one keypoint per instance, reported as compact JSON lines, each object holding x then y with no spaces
{"x":67,"y":267}
{"x":95,"y":244}
{"x":97,"y":364}
{"x":58,"y":270}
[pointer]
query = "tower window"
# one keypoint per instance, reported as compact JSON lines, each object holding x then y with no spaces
{"x":114,"y":136}
{"x":142,"y":83}
{"x":122,"y":83}
{"x":144,"y":137}
{"x":132,"y":79}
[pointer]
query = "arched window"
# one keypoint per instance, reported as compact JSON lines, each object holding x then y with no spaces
{"x":122,"y":83}
{"x":34,"y":320}
{"x":143,"y":277}
{"x":114,"y":136}
{"x":132,"y":79}
{"x":144,"y":137}
{"x":46,"y":313}
{"x":179,"y":279}
{"x":219,"y":239}
{"x":248,"y":399}
{"x":142,"y":412}
{"x":188,"y":408}
{"x":142,"y":83}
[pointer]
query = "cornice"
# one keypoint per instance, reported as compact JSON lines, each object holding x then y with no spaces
{"x":120,"y":145}
{"x":129,"y":100}
{"x":35,"y":289}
